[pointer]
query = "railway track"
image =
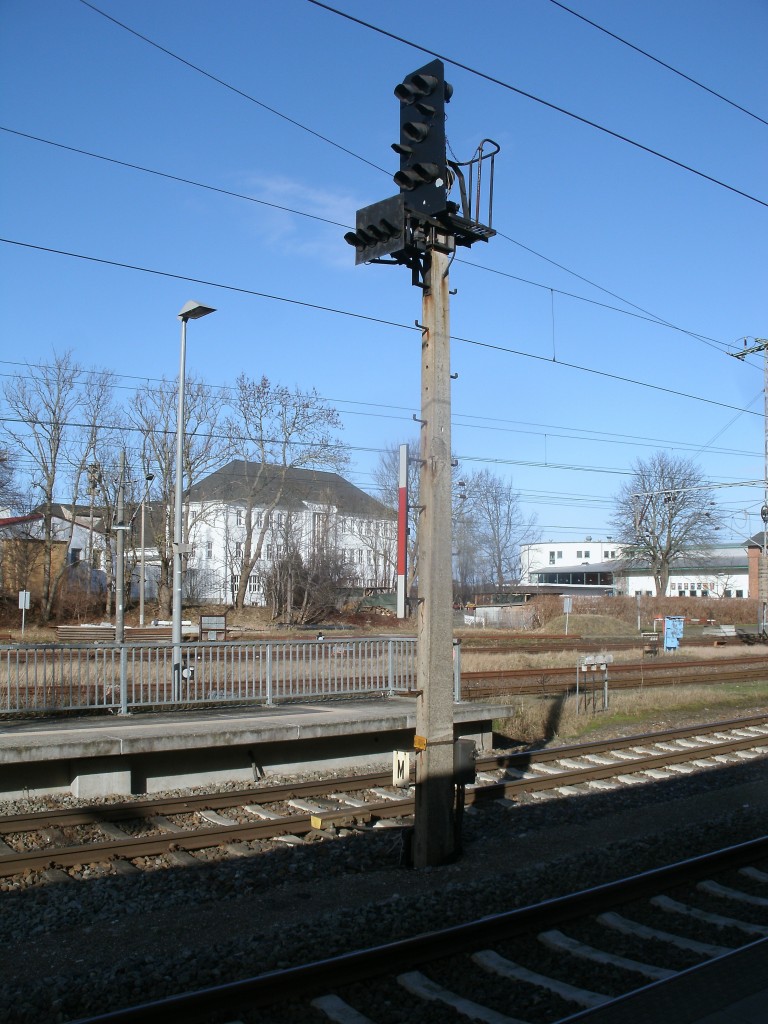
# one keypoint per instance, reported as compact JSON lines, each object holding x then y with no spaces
{"x":126,"y":837}
{"x":545,"y":680}
{"x":547,"y":643}
{"x":540,"y":963}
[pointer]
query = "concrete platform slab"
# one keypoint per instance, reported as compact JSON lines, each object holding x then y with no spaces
{"x":144,"y":753}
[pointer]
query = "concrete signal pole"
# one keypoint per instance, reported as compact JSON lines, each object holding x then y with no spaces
{"x":420,"y":228}
{"x":434,"y":832}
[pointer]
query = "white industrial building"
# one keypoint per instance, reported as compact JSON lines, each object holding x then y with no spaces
{"x":597,"y":566}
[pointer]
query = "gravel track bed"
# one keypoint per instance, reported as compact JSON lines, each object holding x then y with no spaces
{"x":106,"y":941}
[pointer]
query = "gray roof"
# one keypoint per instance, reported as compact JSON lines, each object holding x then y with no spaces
{"x":236,"y":481}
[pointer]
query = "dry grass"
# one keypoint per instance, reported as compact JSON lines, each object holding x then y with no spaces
{"x":499,"y":661}
{"x":556,"y":719}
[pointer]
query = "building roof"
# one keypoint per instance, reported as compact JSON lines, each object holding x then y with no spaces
{"x":234,"y":483}
{"x":32,"y":517}
{"x":697,"y":563}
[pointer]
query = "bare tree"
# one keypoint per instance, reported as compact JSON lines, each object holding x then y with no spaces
{"x":302,"y":589}
{"x":276,"y":429}
{"x":500,"y":527}
{"x":665,"y":509}
{"x":206,"y":448}
{"x":385,"y":476}
{"x":9,"y":493}
{"x":43,"y":401}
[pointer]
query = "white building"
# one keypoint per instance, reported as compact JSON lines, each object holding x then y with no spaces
{"x":591,"y":566}
{"x":302,"y":510}
{"x":552,"y":555}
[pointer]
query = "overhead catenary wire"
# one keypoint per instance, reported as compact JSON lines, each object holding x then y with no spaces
{"x":449,"y":60}
{"x":232,"y":88}
{"x":642,"y":313}
{"x":484,"y":460}
{"x":490,"y":423}
{"x":657,"y":60}
{"x":538,"y":99}
{"x":495,"y":347}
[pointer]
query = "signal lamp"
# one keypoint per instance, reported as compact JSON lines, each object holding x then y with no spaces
{"x":423,"y":174}
{"x":379,"y":230}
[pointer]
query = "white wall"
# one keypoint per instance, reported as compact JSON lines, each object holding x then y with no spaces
{"x":554,"y":554}
{"x":216,"y":530}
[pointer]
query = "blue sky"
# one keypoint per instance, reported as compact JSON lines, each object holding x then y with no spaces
{"x":579,"y":392}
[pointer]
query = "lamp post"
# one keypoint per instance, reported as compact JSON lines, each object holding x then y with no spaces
{"x":142,"y":577}
{"x":190,"y":311}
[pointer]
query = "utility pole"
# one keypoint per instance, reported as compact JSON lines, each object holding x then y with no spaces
{"x":121,"y":528}
{"x":434,"y":829}
{"x":120,"y":569}
{"x":761,"y":345}
{"x":420,"y":228}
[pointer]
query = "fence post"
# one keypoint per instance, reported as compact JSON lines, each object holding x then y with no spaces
{"x":269,"y":672}
{"x":391,"y":667}
{"x":123,"y":679}
{"x":457,"y":671}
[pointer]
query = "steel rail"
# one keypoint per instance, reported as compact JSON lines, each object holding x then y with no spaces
{"x":199,"y":839}
{"x":168,"y":842}
{"x":526,"y":682}
{"x":619,"y":668}
{"x":405,"y":954}
{"x":92,"y":814}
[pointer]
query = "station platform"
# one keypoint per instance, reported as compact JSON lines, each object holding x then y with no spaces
{"x":732,"y":989}
{"x":151,"y":752}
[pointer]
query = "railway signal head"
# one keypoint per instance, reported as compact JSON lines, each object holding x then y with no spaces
{"x":379,"y":230}
{"x":423,"y":174}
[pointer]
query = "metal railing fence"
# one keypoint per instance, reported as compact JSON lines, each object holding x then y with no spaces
{"x":57,"y":677}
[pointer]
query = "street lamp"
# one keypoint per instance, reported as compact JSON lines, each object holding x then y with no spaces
{"x":190,"y":311}
{"x":149,"y":478}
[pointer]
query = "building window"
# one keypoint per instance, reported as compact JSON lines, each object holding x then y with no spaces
{"x":209,"y":549}
{"x":239,"y":517}
{"x":586,"y":554}
{"x":727,"y":593}
{"x":559,"y":554}
{"x":579,"y":554}
{"x":270,"y":551}
{"x":238,"y":550}
{"x":739,"y":593}
{"x":638,"y":593}
{"x":75,"y":554}
{"x":253,"y":584}
{"x":551,"y":557}
{"x":673,"y":586}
